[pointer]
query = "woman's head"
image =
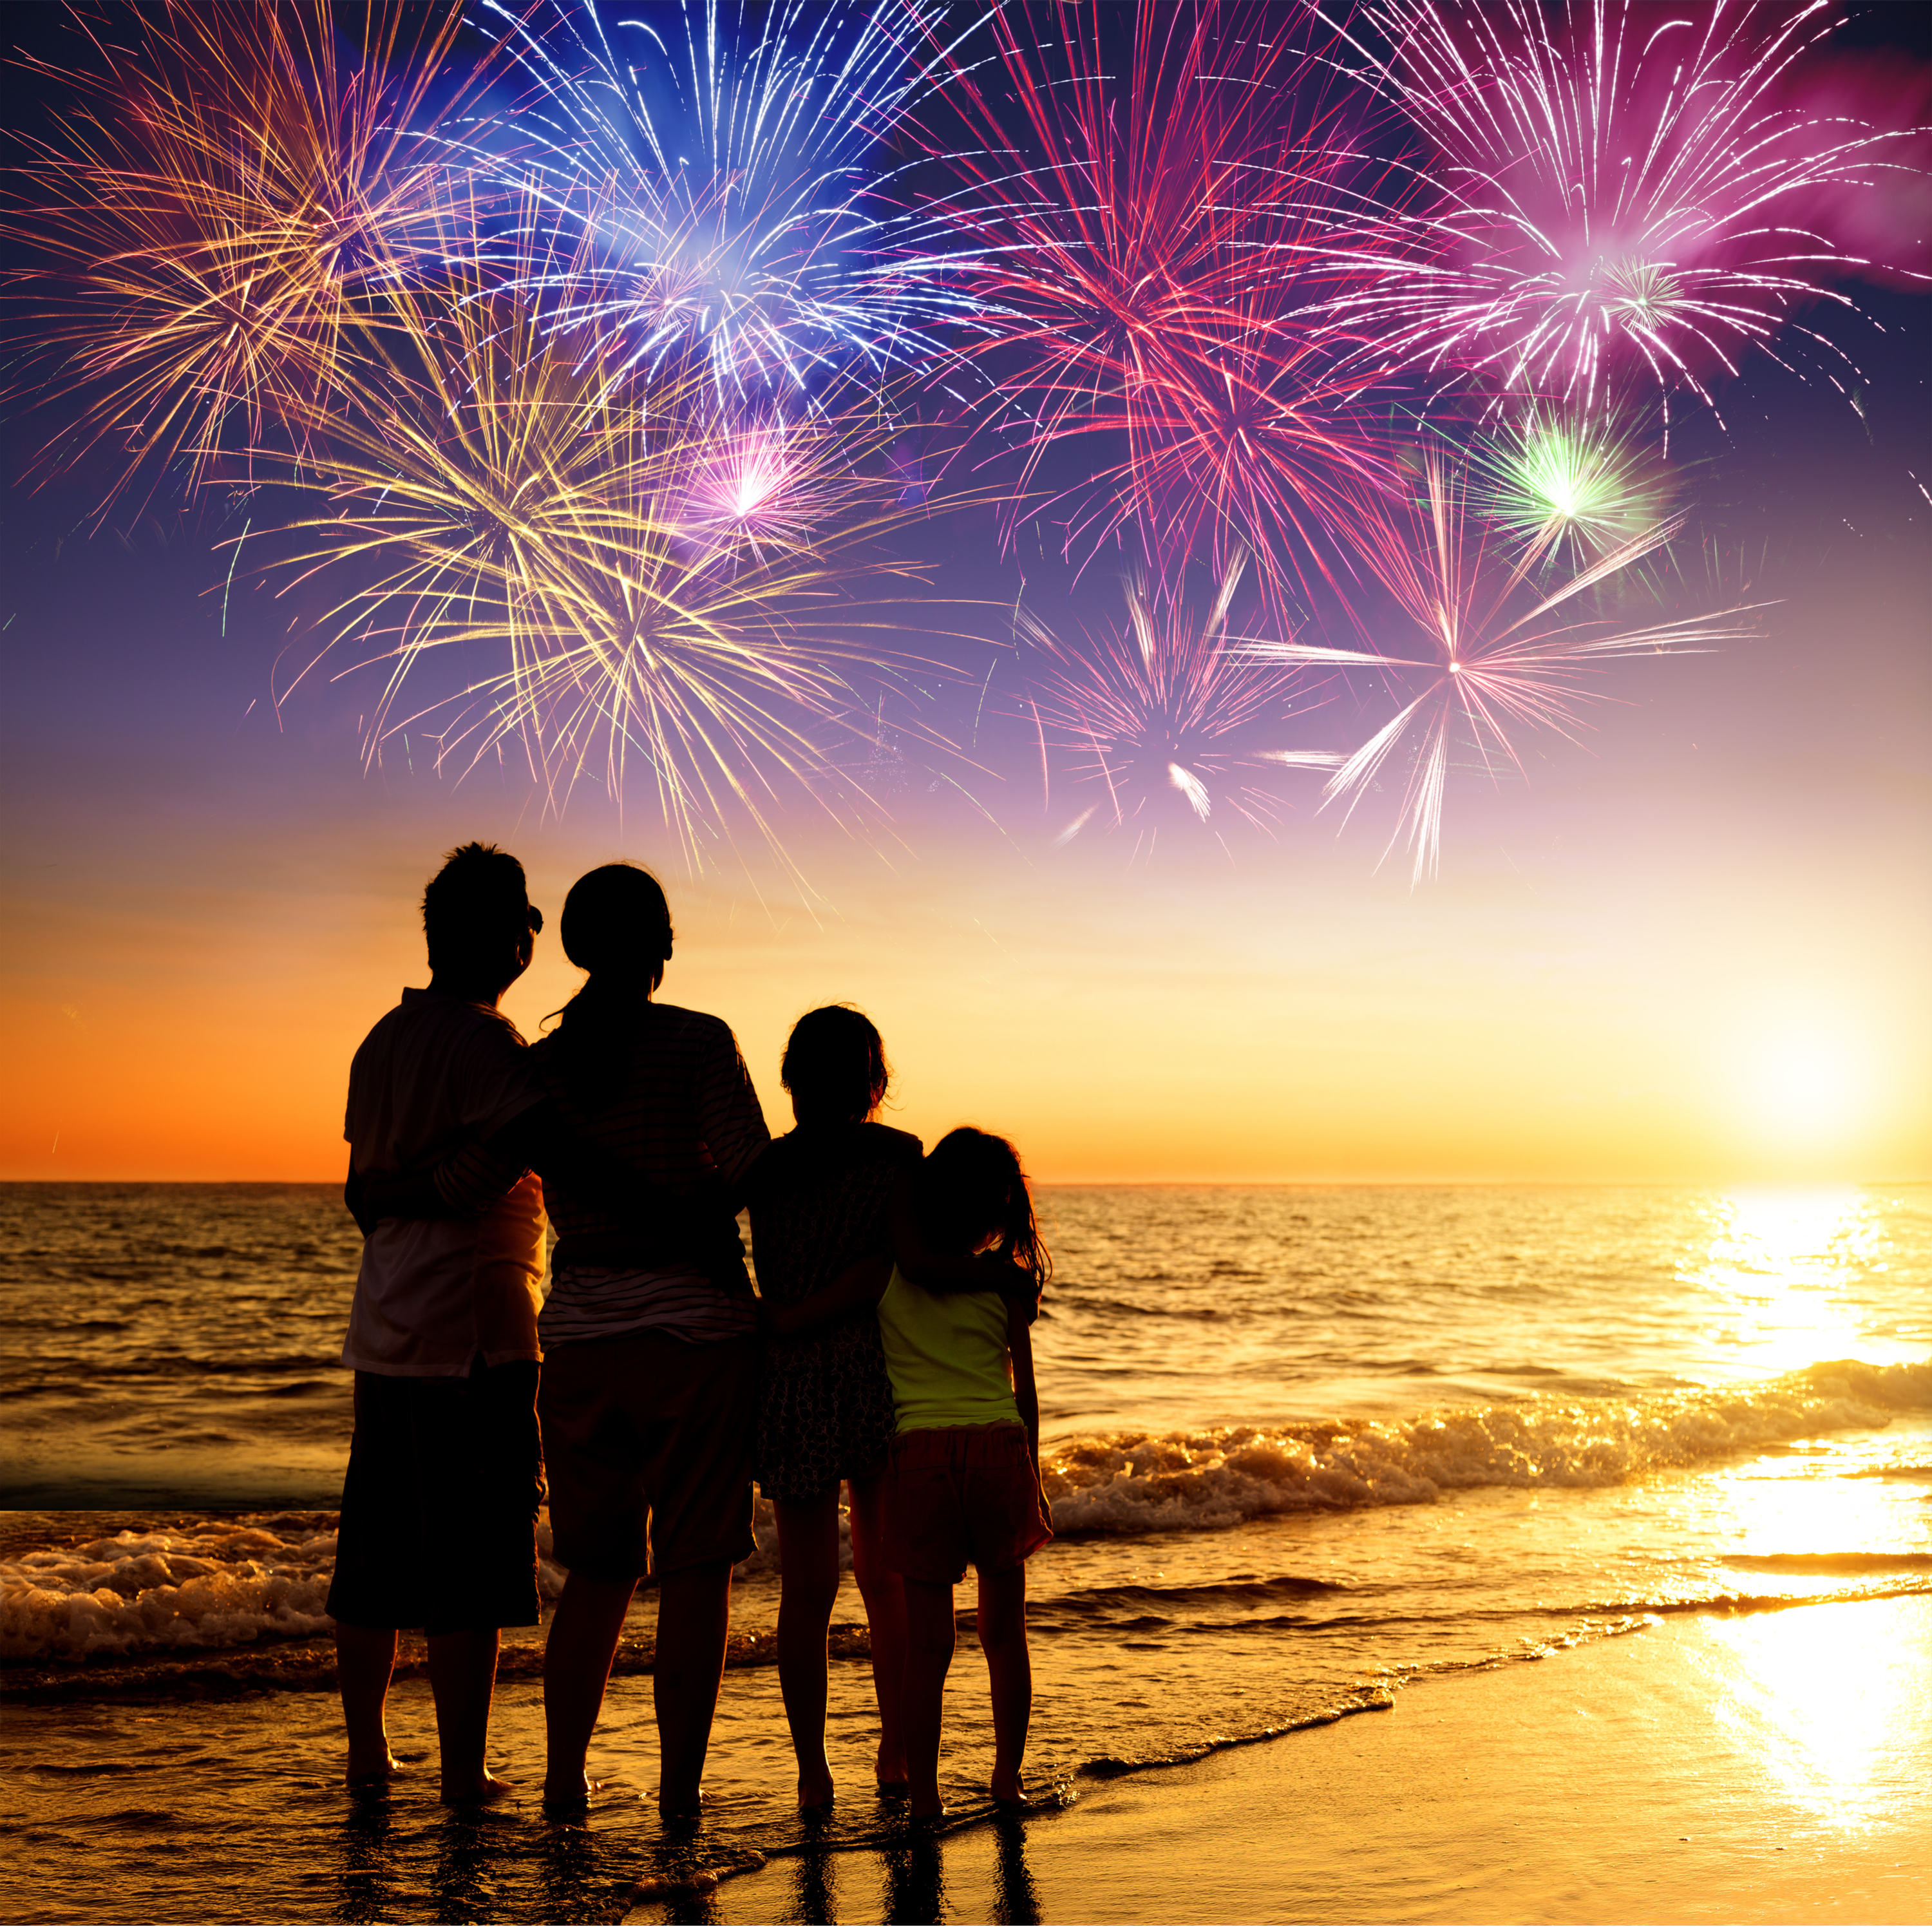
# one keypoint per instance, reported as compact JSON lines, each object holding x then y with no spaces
{"x":834,"y":1067}
{"x":971,"y":1188}
{"x":617,"y":924}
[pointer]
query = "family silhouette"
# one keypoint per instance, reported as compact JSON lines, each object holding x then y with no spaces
{"x":885,"y":1355}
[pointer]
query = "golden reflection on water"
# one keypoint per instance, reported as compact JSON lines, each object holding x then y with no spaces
{"x":1808,"y":1692}
{"x":1827,"y":1709}
{"x":1781,"y":1263}
{"x":1780,"y":1509}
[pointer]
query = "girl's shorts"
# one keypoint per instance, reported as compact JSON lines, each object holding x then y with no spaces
{"x":962,"y":1495}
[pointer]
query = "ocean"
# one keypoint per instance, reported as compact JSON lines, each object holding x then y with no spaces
{"x":1303,"y":1444}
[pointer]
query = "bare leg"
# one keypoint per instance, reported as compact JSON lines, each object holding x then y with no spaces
{"x":463,"y":1677}
{"x":693,"y":1620}
{"x":884,"y":1593}
{"x":577,"y":1665}
{"x":929,"y":1635}
{"x":365,"y":1656}
{"x":808,"y":1588}
{"x":1003,"y":1637}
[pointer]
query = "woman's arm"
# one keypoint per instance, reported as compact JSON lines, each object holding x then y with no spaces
{"x":857,"y":1286}
{"x":472,"y":1178}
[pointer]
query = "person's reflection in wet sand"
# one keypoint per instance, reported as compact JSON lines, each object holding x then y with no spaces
{"x":368,"y":1869}
{"x":815,"y":1894}
{"x":1016,"y":1900}
{"x":915,"y":1885}
{"x":568,"y":1876}
{"x":466,"y":1843}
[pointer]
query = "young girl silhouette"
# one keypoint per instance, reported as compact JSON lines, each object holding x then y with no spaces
{"x":821,"y":1233}
{"x":962,"y":1484}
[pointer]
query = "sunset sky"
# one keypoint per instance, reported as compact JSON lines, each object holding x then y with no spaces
{"x":1695,"y":947}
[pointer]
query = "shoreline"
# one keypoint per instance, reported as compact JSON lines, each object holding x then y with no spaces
{"x":1709,"y":1767}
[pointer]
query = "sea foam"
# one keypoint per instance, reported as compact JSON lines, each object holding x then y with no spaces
{"x":236,"y":1583}
{"x":172,"y":1591}
{"x":1143,"y":1482}
{"x":151,"y":1592}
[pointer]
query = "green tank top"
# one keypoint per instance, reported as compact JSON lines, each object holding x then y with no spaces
{"x":946,"y":1356}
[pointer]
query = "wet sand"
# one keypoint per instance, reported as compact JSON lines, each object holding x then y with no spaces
{"x":1764,"y":1767}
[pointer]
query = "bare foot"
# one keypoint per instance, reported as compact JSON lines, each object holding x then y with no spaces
{"x":486,"y":1792}
{"x":815,"y":1792}
{"x":373,"y":1779}
{"x":566,"y":1800}
{"x":890,"y":1773}
{"x":1007,"y":1790}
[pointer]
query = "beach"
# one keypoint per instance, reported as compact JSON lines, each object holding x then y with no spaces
{"x":1753,"y":1768}
{"x":1421,"y":1553}
{"x":1760,"y":1766}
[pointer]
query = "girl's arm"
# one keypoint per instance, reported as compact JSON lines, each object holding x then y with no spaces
{"x":1019,"y":1351}
{"x":856,"y":1287}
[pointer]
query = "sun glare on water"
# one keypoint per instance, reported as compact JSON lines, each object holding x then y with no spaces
{"x":1787,"y":1268}
{"x":1823,"y":1709}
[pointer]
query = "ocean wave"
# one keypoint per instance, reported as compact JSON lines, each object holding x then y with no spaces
{"x":156,"y":1592}
{"x":228,"y":1585}
{"x":1195,"y":1481}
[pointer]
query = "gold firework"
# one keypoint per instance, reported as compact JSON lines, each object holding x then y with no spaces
{"x":496,"y":482}
{"x":226,"y":200}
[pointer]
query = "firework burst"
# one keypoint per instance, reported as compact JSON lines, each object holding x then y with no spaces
{"x":1485,"y":674}
{"x":714,"y":169}
{"x":498,"y":487}
{"x":1565,"y":487}
{"x":1155,"y":260}
{"x":1625,"y":197}
{"x":227,"y":200}
{"x":1165,"y":714}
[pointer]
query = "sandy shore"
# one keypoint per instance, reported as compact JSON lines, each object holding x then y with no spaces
{"x":1773,"y":1766}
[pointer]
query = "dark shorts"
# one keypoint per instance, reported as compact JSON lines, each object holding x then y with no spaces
{"x":439,"y":1505}
{"x":956,"y":1496}
{"x":649,"y":1445}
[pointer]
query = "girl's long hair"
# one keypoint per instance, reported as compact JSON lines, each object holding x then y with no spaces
{"x":971,"y":1183}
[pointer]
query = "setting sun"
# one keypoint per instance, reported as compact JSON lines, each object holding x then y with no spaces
{"x":1807,"y":1082}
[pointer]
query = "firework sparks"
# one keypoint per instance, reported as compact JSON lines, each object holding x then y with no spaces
{"x":497,"y":485}
{"x":1625,"y":196}
{"x":1164,"y":713}
{"x":1484,"y":673}
{"x":769,"y":483}
{"x":1566,"y":487}
{"x":229,"y":197}
{"x":715,"y":172}
{"x":1157,"y":261}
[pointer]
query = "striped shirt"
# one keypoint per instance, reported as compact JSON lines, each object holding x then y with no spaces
{"x":665,"y":1090}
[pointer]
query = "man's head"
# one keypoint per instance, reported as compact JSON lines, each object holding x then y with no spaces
{"x":478,"y":919}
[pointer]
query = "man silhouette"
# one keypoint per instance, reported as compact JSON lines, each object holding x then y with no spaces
{"x":439,"y":1506}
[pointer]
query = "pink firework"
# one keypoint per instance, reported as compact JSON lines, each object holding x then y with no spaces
{"x":1168,"y":715}
{"x":1152,"y":237}
{"x":767,"y":483}
{"x":1627,"y":193}
{"x":1485,"y":674}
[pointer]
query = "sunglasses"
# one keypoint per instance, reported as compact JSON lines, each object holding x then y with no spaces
{"x":536,"y":920}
